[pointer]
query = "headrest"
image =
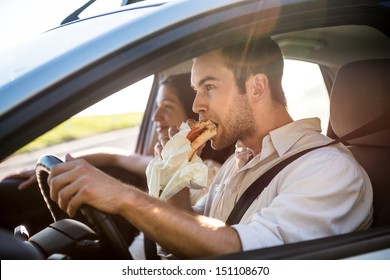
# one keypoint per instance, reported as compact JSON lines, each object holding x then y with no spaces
{"x":360,"y":94}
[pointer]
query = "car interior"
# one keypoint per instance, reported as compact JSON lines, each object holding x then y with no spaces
{"x":357,"y":82}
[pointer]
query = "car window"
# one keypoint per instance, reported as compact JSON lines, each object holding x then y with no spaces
{"x":48,"y":46}
{"x":111,"y":123}
{"x":114,"y":122}
{"x":305,"y":91}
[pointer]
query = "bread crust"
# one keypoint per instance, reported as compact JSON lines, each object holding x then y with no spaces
{"x":200,"y":133}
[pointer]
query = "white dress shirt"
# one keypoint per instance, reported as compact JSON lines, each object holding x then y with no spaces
{"x":322,"y":193}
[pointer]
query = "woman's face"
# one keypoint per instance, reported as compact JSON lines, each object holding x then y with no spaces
{"x":169,"y":111}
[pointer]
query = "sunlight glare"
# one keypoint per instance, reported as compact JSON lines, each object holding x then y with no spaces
{"x":210,"y":223}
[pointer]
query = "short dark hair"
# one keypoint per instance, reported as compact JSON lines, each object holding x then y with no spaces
{"x":256,"y":55}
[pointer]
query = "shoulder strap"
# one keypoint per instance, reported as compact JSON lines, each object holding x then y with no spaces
{"x":254,"y":190}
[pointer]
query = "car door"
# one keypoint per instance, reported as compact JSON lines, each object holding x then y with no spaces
{"x":121,"y":122}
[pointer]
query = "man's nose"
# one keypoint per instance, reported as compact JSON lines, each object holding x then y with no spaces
{"x":200,"y":104}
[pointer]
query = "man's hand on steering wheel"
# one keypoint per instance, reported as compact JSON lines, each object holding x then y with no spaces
{"x":76,"y":182}
{"x":72,"y":185}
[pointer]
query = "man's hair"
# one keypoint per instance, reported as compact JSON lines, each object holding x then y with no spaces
{"x":256,"y":55}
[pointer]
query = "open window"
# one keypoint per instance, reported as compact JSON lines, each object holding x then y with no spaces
{"x":305,"y":91}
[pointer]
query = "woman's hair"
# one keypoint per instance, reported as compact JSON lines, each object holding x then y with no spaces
{"x":183,"y":90}
{"x":256,"y":55}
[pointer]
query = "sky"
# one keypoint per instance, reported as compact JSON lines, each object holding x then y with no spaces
{"x":22,"y":19}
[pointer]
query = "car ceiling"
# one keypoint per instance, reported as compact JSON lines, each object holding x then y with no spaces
{"x":331,"y":47}
{"x":335,"y":46}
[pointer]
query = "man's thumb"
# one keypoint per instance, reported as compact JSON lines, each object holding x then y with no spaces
{"x":68,"y":157}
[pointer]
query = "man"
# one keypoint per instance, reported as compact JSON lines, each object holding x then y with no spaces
{"x":324,"y":192}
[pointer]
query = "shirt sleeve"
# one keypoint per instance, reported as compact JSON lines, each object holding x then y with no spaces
{"x":321,"y":194}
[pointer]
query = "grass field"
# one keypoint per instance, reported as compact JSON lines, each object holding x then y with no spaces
{"x":79,"y":127}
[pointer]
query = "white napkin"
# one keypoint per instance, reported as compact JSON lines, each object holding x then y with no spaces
{"x":172,"y":173}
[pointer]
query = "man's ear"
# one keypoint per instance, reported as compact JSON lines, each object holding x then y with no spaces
{"x":259,"y":86}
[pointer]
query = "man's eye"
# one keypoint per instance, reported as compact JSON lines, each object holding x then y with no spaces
{"x":209,"y":87}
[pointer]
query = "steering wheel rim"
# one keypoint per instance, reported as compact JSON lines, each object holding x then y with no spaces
{"x":101,"y":222}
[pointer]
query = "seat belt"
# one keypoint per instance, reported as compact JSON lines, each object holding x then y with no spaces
{"x":254,"y":190}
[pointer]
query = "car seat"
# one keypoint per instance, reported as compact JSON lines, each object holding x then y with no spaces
{"x":361,"y":93}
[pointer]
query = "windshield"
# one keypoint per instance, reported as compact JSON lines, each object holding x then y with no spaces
{"x":54,"y":43}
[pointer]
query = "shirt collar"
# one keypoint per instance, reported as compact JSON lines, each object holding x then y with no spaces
{"x":277,"y":140}
{"x":295,"y":131}
{"x":243,"y":154}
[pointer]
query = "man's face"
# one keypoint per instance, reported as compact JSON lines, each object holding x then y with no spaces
{"x":218,"y":99}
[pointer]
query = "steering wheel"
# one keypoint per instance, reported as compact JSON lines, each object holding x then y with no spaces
{"x":100,"y":222}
